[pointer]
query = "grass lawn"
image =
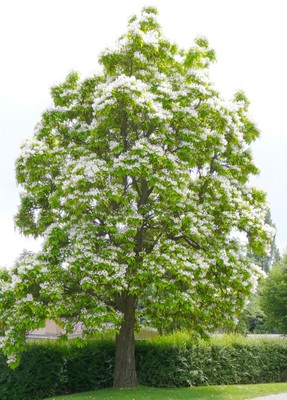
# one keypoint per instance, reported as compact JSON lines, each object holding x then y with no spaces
{"x":232,"y":392}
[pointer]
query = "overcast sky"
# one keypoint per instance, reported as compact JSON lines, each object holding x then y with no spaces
{"x":43,"y":40}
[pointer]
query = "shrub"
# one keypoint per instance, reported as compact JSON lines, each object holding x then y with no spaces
{"x":50,"y":368}
{"x":90,"y":367}
{"x":218,"y":362}
{"x":39,"y":375}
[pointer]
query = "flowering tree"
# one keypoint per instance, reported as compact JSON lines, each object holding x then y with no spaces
{"x":137,"y":179}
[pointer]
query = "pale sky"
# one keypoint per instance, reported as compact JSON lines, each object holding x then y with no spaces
{"x":43,"y":40}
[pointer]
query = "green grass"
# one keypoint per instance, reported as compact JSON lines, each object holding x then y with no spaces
{"x":232,"y":392}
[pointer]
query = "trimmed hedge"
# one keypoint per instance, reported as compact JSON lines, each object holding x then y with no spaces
{"x":166,"y":365}
{"x":51,"y":368}
{"x":90,"y":367}
{"x":39,"y":375}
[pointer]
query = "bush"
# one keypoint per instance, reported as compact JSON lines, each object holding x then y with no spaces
{"x":39,"y":375}
{"x":50,"y":368}
{"x":90,"y":367}
{"x":218,"y":362}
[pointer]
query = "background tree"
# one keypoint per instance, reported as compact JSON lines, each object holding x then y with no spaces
{"x":274,"y":297}
{"x":266,"y":262}
{"x":137,"y":180}
{"x":253,"y":318}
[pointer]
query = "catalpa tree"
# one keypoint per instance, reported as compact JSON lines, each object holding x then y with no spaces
{"x":137,"y":179}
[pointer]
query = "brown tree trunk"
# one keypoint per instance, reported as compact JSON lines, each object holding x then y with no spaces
{"x":125,"y":364}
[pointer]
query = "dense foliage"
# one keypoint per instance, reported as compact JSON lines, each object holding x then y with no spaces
{"x":40,"y":374}
{"x":50,"y":369}
{"x":274,"y":297}
{"x":137,"y":178}
{"x":180,"y":364}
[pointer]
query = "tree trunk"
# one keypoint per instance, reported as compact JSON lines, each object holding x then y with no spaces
{"x":125,"y":364}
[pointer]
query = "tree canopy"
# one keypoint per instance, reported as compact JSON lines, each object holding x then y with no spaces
{"x":137,"y":179}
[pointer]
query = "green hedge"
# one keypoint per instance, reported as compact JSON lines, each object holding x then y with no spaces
{"x":89,"y":367}
{"x":51,"y":368}
{"x":40,"y":374}
{"x":167,"y":365}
